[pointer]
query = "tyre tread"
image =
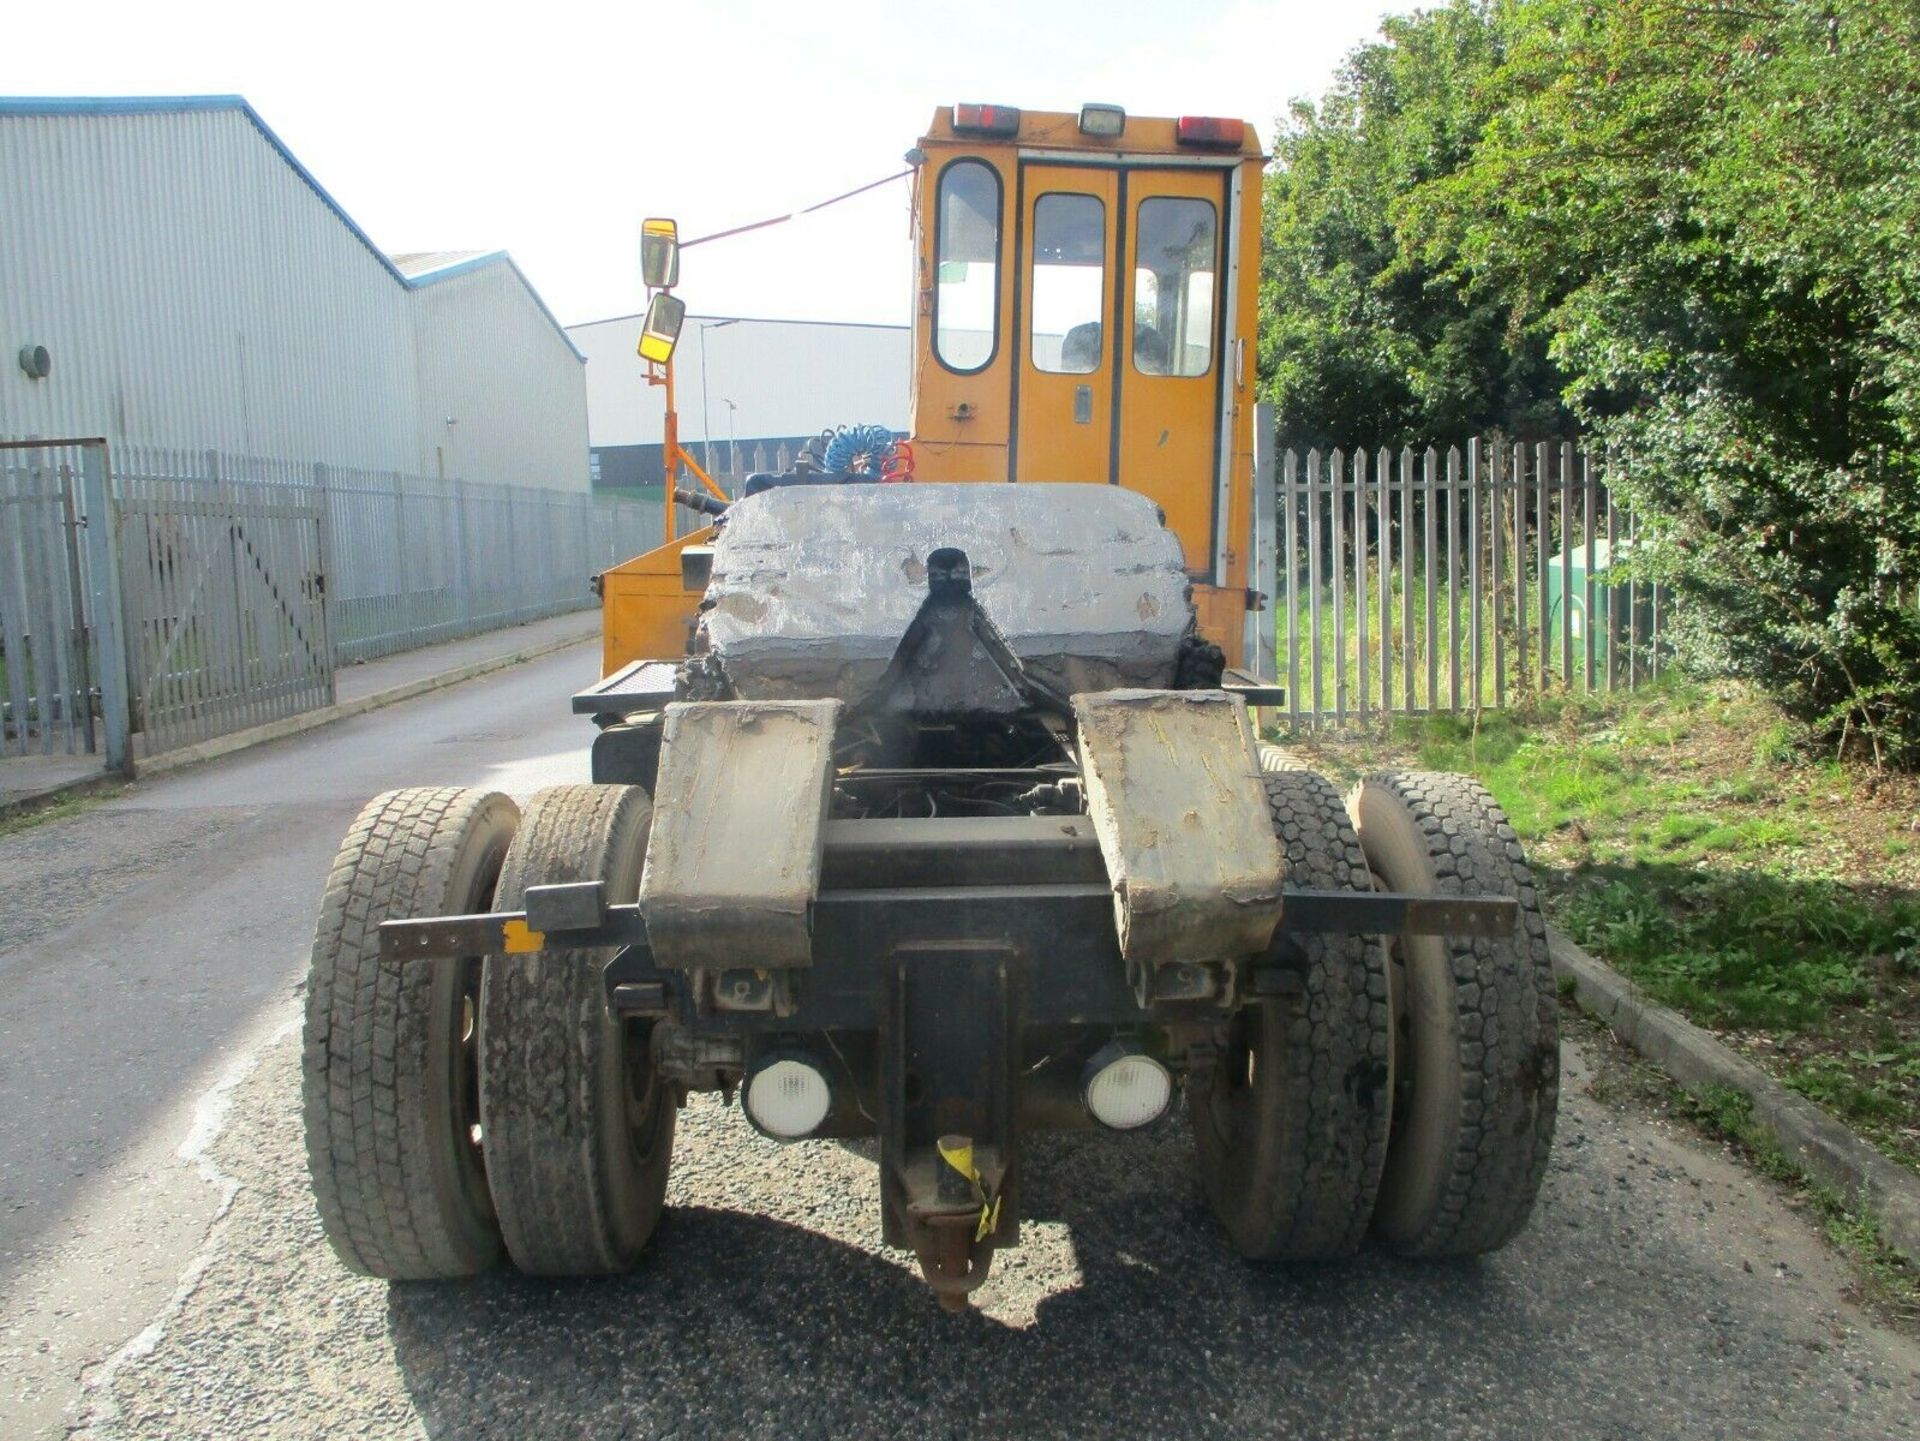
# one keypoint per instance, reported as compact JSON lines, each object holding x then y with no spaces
{"x":363,"y":1054}
{"x":1330,"y":1140}
{"x":544,"y":1033}
{"x":1509,"y":1011}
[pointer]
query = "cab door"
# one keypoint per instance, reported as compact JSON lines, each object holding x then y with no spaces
{"x":1066,"y":324}
{"x":1172,"y":399}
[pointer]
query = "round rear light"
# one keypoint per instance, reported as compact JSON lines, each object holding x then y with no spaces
{"x":787,"y":1099}
{"x":1125,"y":1088}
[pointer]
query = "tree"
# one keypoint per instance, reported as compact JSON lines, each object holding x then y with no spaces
{"x":1711,"y":207}
{"x":1362,"y":341}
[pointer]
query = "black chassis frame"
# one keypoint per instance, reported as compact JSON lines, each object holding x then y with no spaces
{"x":964,"y":972}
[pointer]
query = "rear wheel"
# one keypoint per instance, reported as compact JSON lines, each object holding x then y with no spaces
{"x":1275,"y":759}
{"x":1476,"y":1023}
{"x":1291,"y":1125}
{"x":578,"y":1127}
{"x":389,"y":1085}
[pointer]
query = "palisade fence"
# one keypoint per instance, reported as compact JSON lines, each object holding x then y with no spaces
{"x":234,"y":586}
{"x":1412,"y":582}
{"x":230,"y":588}
{"x":47,"y":661}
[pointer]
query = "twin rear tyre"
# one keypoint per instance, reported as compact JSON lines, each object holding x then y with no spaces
{"x":1291,"y":1124}
{"x":389,"y":1083}
{"x":1408,"y":1087}
{"x":1476,"y":1023}
{"x":578,"y":1128}
{"x":452,"y":1106}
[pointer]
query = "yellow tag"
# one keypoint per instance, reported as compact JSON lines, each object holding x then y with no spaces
{"x":961,"y":1159}
{"x":989,"y":1220}
{"x":519,"y":940}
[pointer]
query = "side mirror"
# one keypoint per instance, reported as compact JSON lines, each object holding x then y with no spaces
{"x":659,"y":254}
{"x":661,"y":329}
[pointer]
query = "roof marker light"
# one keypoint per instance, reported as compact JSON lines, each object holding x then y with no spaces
{"x":997,"y":120}
{"x":1210,"y":130}
{"x":1103,"y":122}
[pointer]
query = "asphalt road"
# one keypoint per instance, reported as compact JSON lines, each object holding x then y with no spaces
{"x":162,"y":1273}
{"x":148,"y":945}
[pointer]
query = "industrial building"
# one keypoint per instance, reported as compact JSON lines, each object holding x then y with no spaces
{"x":172,"y":276}
{"x":749,"y":391}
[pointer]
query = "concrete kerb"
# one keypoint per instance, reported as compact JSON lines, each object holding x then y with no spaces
{"x":326,"y":715}
{"x":1825,"y":1148}
{"x":291,"y":725}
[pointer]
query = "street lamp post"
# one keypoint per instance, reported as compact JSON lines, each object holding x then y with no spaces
{"x":706,"y":425}
{"x":733,"y":443}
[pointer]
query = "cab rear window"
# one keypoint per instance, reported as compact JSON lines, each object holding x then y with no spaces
{"x":966,"y":296}
{"x":1175,"y":262}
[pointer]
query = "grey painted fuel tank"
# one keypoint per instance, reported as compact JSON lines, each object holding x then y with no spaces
{"x":813,"y":586}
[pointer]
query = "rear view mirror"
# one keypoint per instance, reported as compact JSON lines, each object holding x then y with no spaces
{"x":661,"y":329}
{"x":659,"y":254}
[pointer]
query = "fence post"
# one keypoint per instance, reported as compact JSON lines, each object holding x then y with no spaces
{"x":323,"y":557}
{"x":1290,"y":566}
{"x":109,"y":627}
{"x":1260,"y":647}
{"x":1362,"y":597}
{"x":1337,"y":547}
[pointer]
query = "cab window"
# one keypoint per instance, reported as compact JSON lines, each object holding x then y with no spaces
{"x":1069,"y":283}
{"x":966,"y":298}
{"x":1173,"y":287}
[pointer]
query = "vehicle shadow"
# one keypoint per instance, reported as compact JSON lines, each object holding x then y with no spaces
{"x":736,"y":1325}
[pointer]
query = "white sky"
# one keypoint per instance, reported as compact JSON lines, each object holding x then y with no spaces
{"x":550,"y":130}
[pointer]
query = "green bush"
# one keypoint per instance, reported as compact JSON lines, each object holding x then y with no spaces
{"x":1698,"y":223}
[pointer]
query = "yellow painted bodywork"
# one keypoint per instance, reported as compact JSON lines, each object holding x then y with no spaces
{"x":646,"y":610}
{"x":1186,"y":441}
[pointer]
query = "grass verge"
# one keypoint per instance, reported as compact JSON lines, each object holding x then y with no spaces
{"x":1680,"y":835}
{"x":13,"y":822}
{"x":1885,"y":1281}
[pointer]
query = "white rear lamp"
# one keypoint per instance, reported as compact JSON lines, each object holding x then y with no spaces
{"x":1124,"y":1088}
{"x":787,"y":1099}
{"x":1103,"y":122}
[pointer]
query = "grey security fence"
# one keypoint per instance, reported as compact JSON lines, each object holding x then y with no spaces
{"x":1408,"y":582}
{"x":417,"y":560}
{"x":226,"y":589}
{"x":46,"y":665}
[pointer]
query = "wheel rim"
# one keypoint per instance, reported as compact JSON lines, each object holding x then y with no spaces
{"x":1230,"y":1099}
{"x":465,"y":1137}
{"x":645,"y":1095}
{"x":463,"y":1108}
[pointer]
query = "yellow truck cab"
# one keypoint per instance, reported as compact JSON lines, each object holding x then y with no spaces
{"x":1084,"y":310}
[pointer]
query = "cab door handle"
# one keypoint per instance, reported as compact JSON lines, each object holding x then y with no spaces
{"x":1083,"y":405}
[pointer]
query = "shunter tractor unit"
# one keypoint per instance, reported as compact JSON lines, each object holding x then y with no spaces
{"x":927,"y":804}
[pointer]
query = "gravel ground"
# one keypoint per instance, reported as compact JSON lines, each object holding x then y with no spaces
{"x":1662,"y":1290}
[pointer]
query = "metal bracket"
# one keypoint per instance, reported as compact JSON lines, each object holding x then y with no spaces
{"x":572,"y":906}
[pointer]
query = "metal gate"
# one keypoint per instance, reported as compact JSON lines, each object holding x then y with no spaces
{"x":223,"y":585}
{"x":46,"y":687}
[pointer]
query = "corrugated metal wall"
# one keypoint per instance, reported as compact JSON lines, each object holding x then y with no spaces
{"x":492,"y":363}
{"x":195,"y":291}
{"x":784,"y":377}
